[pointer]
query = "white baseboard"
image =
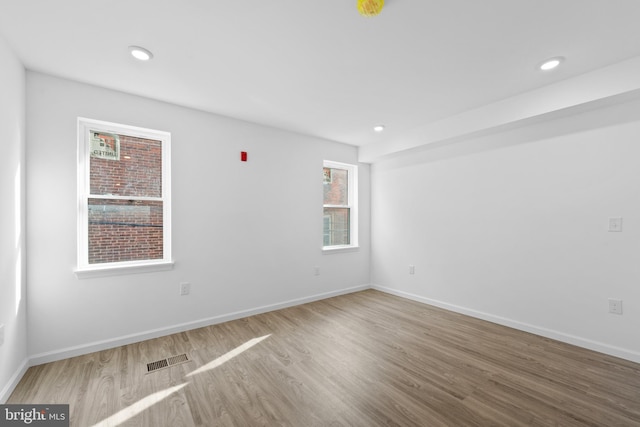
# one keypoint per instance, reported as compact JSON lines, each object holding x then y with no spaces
{"x":547,"y":333}
{"x":13,"y":381}
{"x":155,"y":333}
{"x":79,"y":350}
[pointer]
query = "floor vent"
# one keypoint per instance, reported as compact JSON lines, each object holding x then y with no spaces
{"x":165,"y":363}
{"x":174,"y":360}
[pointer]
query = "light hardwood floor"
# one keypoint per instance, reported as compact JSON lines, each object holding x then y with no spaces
{"x":364,"y":359}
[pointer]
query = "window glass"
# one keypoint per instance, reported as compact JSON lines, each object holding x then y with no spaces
{"x":125,"y":165}
{"x":125,"y":230}
{"x":336,"y":226}
{"x":339,"y":205}
{"x":336,"y":187}
{"x":124,"y":201}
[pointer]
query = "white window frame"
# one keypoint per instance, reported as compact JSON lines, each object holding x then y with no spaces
{"x":352,"y":204}
{"x":84,"y":269}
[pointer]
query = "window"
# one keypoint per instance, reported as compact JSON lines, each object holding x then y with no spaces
{"x":123,"y":197}
{"x":340,"y":220}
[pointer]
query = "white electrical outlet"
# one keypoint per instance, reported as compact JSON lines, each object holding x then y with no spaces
{"x":615,"y":306}
{"x":185,"y":288}
{"x":615,"y":224}
{"x":412,"y":269}
{"x":316,"y":271}
{"x":1,"y":334}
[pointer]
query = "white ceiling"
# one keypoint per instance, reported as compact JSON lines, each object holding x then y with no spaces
{"x":318,"y":67}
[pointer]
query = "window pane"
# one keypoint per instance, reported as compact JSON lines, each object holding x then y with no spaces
{"x":336,"y":226}
{"x":326,"y":235}
{"x":125,"y":165}
{"x":336,"y":186}
{"x":124,"y":230}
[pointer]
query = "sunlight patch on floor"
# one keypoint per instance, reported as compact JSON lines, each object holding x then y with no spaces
{"x":141,"y":405}
{"x":228,"y":356}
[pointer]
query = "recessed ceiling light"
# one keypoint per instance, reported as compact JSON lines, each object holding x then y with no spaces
{"x":551,"y":63}
{"x":378,"y":128}
{"x":140,"y":53}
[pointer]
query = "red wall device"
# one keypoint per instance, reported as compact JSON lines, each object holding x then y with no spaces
{"x":243,"y":156}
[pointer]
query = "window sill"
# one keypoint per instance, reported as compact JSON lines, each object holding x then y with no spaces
{"x":106,"y":271}
{"x":339,"y":249}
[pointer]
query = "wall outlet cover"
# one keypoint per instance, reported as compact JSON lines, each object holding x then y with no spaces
{"x":615,"y":306}
{"x":185,"y":288}
{"x":615,"y":224}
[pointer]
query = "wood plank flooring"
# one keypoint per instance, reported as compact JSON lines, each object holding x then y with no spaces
{"x":364,"y":359}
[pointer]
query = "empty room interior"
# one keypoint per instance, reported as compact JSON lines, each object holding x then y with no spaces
{"x":350,"y":212}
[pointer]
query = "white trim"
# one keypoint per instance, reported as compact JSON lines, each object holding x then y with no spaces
{"x":79,"y":350}
{"x":341,"y":248}
{"x":544,"y":332}
{"x":352,"y":203}
{"x":13,"y":381}
{"x":83,"y":268}
{"x":116,"y":269}
{"x":137,"y":198}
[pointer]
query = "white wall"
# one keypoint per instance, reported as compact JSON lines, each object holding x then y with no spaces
{"x":513,"y":227}
{"x":247,"y":236}
{"x":13,"y":353}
